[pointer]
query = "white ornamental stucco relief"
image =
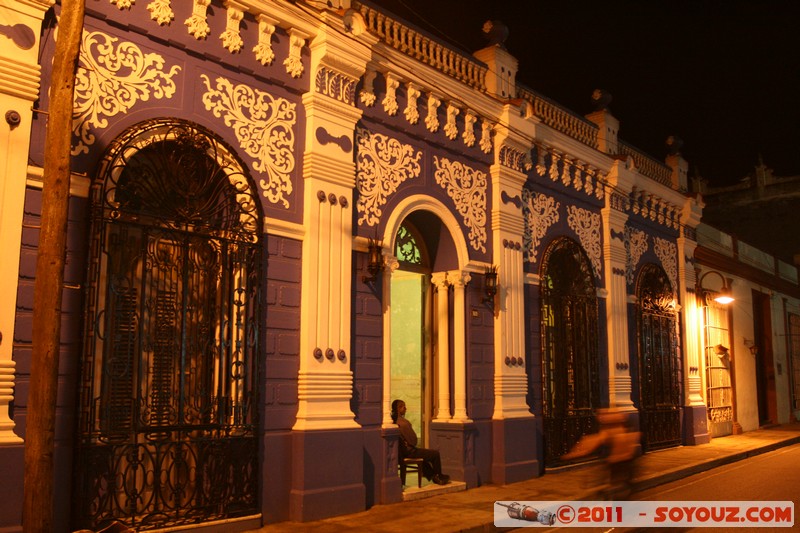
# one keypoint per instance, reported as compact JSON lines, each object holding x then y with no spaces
{"x":263,"y":124}
{"x":540,"y":213}
{"x":467,"y":188}
{"x":586,"y":226}
{"x":161,"y":12}
{"x":636,"y":245}
{"x":382,"y":164}
{"x":111,"y":78}
{"x":667,"y":253}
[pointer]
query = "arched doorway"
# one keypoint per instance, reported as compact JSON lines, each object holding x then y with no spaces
{"x":570,"y":360}
{"x":169,"y":376}
{"x":659,"y":364}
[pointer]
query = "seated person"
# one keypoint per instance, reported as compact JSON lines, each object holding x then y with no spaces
{"x":432,"y":462}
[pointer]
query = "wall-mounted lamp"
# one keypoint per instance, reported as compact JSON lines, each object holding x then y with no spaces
{"x":751,"y":345}
{"x":490,"y":284}
{"x":724,"y":295}
{"x":374,"y":261}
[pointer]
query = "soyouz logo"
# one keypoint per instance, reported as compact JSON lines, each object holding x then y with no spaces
{"x":644,"y":514}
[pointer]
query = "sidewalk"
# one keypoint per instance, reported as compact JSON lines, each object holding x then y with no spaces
{"x":472,"y":510}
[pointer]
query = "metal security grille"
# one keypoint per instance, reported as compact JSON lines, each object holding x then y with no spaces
{"x":717,"y":342}
{"x":168,"y":408}
{"x":570,"y":367}
{"x":659,"y":370}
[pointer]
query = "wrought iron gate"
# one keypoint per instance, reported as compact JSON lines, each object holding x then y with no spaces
{"x":659,"y":365}
{"x":570,"y":366}
{"x":168,"y":393}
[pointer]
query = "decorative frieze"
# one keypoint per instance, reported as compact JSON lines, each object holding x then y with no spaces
{"x":382,"y":164}
{"x":540,"y":213}
{"x":569,"y":171}
{"x":586,"y":225}
{"x":112,"y":77}
{"x":515,"y":159}
{"x":336,"y":85}
{"x":264,"y":126}
{"x":467,"y":188}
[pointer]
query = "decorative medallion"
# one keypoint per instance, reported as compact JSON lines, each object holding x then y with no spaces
{"x":586,"y":226}
{"x":467,"y":188}
{"x":111,"y":78}
{"x":540,"y":213}
{"x":263,"y":124}
{"x":382,"y":164}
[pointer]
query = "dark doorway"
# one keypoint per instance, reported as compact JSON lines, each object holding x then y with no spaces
{"x":761,"y":348}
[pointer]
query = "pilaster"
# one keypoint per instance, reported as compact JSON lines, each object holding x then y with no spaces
{"x":442,"y":409}
{"x":20,"y":75}
{"x":615,"y":256}
{"x":695,"y":410}
{"x":459,"y":281}
{"x":512,"y":421}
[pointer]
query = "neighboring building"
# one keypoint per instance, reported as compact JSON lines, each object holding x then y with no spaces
{"x":761,"y":209}
{"x":284,"y":215}
{"x":751,"y":345}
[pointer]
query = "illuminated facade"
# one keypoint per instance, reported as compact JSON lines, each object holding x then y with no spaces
{"x":282,"y":217}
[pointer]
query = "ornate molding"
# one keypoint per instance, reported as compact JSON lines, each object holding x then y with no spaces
{"x":123,"y":4}
{"x":540,"y":213}
{"x":515,"y":159}
{"x":111,"y":78}
{"x":411,"y":112}
{"x":294,"y":63}
{"x":432,"y":118}
{"x":469,"y":127}
{"x":263,"y":49}
{"x":197,"y":23}
{"x":389,"y":102}
{"x":450,"y":128}
{"x":264,"y":126}
{"x":382,"y":164}
{"x":367,"y":94}
{"x":586,"y":226}
{"x":486,"y":137}
{"x":161,"y":12}
{"x":231,"y":38}
{"x":467,"y":188}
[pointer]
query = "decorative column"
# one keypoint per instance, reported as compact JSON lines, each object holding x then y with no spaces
{"x":391,"y":488}
{"x":514,"y":440}
{"x":442,"y":411}
{"x":615,"y":256}
{"x":695,"y":409}
{"x":325,"y":422}
{"x":459,"y":281}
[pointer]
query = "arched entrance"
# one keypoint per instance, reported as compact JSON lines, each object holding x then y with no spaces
{"x":659,"y":364}
{"x":570,"y":360}
{"x":169,"y":376}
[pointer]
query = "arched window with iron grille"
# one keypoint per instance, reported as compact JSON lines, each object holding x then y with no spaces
{"x":169,"y":377}
{"x":659,"y":362}
{"x":570,"y":360}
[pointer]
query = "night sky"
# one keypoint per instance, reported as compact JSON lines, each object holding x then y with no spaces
{"x":722,"y":75}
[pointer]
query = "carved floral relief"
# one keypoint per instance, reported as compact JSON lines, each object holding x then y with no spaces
{"x":264,"y":126}
{"x":467,"y":188}
{"x":586,"y":226}
{"x":111,"y":78}
{"x":667,"y":253}
{"x":540,"y":213}
{"x":382,"y":164}
{"x":636,"y":246}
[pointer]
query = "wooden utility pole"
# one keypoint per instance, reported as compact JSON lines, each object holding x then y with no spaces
{"x":37,"y":510}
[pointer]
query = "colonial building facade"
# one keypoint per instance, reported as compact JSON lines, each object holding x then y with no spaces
{"x":283,"y":216}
